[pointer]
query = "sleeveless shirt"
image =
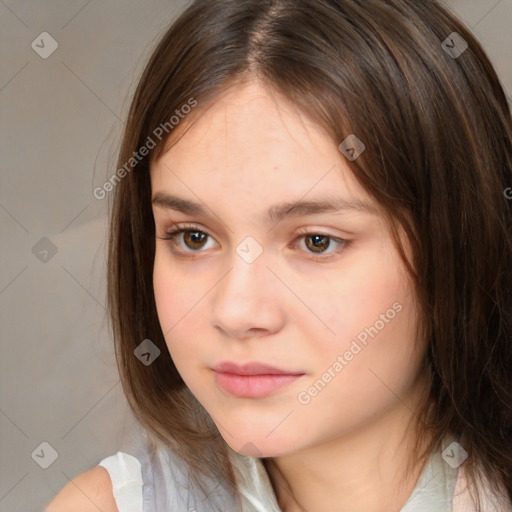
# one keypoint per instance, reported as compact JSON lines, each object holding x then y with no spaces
{"x":148,"y":480}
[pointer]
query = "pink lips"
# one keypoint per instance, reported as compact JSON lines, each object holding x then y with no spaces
{"x":252,"y":380}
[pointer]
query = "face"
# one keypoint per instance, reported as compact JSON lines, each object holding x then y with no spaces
{"x":318,"y":294}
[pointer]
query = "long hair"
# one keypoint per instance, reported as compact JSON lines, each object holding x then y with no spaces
{"x":429,"y":107}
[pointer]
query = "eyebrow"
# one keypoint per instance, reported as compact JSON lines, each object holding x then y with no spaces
{"x":276,"y":212}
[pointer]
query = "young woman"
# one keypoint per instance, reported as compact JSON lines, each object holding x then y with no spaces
{"x":310,"y":267}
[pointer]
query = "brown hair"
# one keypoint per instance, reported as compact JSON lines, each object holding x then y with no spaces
{"x":438,"y":136}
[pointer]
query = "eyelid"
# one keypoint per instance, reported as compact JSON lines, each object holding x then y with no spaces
{"x":186,"y":226}
{"x":317,"y":231}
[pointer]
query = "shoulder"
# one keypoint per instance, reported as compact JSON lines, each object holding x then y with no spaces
{"x":88,"y":492}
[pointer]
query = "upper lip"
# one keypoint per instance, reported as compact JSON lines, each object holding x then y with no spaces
{"x":252,"y":369}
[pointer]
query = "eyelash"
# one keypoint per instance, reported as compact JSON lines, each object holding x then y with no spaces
{"x":171,"y":234}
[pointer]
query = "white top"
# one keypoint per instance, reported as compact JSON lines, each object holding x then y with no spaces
{"x":126,"y":474}
{"x":160,"y":483}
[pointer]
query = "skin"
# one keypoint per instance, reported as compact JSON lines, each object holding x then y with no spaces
{"x":292,"y":307}
{"x":88,"y":492}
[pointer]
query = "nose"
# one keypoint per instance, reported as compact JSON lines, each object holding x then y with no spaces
{"x":247,"y":302}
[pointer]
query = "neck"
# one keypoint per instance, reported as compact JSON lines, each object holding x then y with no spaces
{"x":364,"y":470}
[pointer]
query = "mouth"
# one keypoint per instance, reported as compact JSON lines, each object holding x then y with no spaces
{"x":253,"y":380}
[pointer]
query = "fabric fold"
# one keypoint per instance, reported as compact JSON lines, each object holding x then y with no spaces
{"x":126,"y":475}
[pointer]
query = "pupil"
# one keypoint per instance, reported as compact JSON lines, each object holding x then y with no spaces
{"x":194,"y":239}
{"x":319,"y":239}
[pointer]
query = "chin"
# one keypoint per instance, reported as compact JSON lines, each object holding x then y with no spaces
{"x":258,"y":445}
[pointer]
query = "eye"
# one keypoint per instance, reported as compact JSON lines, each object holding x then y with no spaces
{"x":319,"y":244}
{"x":192,"y":238}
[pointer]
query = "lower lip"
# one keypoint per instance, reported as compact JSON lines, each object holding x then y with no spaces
{"x":253,"y":386}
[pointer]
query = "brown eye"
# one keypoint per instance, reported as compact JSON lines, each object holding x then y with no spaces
{"x":187,"y":239}
{"x":321,"y":246}
{"x":317,"y":243}
{"x":194,"y":239}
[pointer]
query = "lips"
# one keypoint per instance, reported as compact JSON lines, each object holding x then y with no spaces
{"x":252,"y":369}
{"x":253,"y":380}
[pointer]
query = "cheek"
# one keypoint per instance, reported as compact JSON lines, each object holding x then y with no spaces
{"x":371,"y":282}
{"x":166,"y":289}
{"x":180,"y":297}
{"x":177,"y":300}
{"x":177,"y":293}
{"x":361,"y":372}
{"x":372,"y":311}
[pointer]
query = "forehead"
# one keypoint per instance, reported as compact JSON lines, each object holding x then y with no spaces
{"x":246,"y":116}
{"x":252,"y":146}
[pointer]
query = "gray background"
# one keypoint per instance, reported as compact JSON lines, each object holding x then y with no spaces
{"x":61,"y":122}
